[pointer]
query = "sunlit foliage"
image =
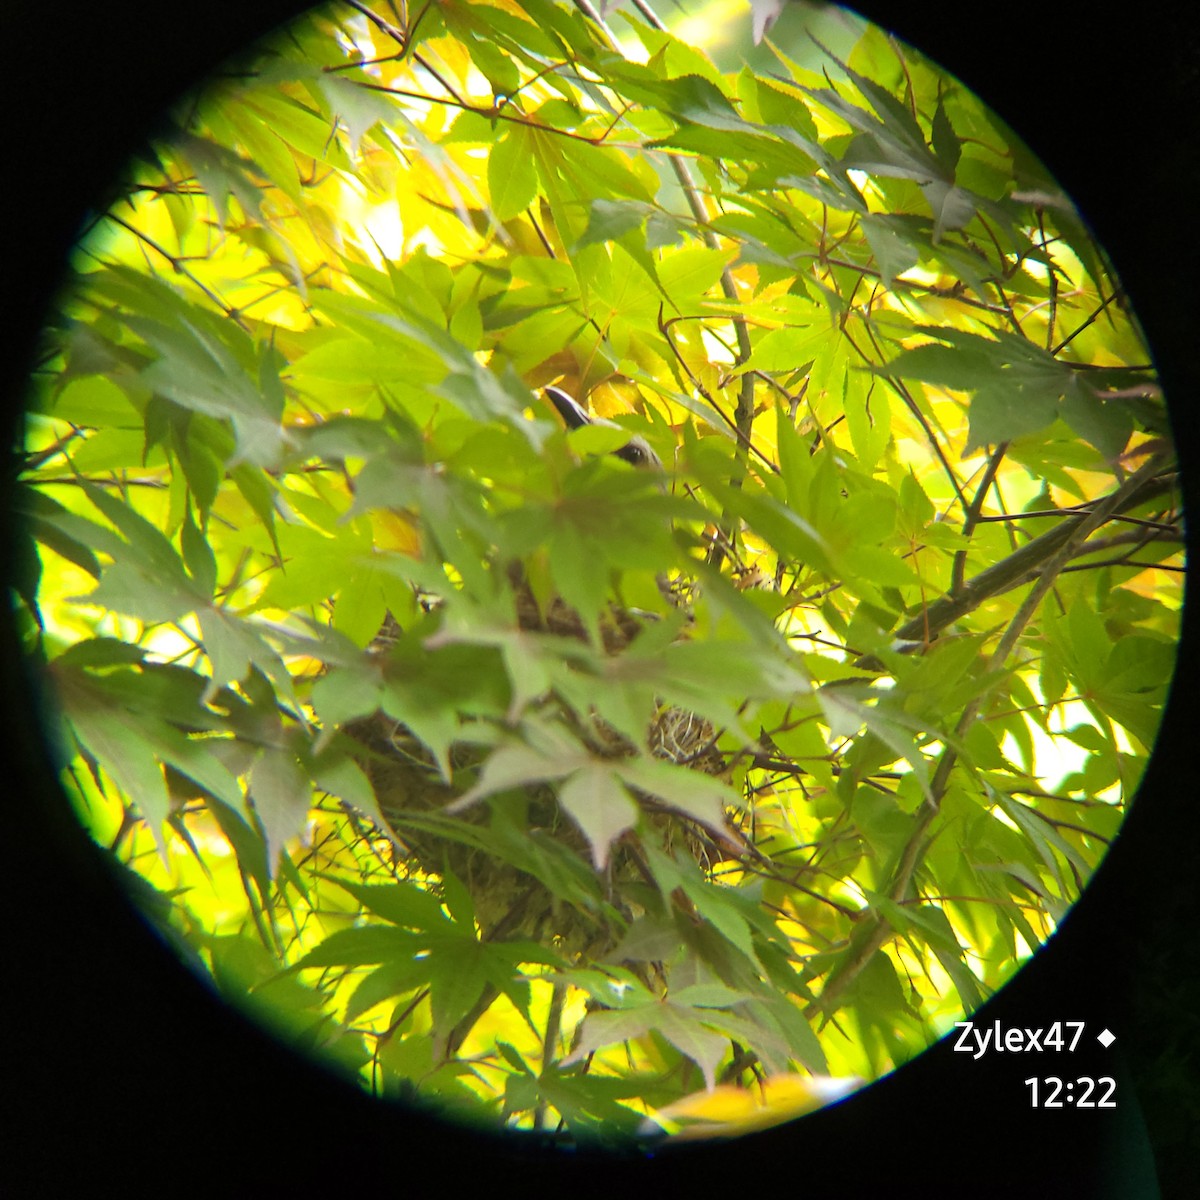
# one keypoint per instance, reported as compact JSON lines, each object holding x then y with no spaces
{"x":904,"y":597}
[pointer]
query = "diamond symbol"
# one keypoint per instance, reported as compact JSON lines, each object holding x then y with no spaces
{"x":1105,"y":1038}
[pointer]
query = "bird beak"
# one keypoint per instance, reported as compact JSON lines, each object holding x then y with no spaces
{"x":636,"y":451}
{"x":568,"y":408}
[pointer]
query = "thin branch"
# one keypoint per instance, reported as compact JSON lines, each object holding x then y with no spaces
{"x":744,"y":414}
{"x":872,"y":934}
{"x":1056,"y":350}
{"x":1034,"y":555}
{"x":395,"y":33}
{"x":178,"y":267}
{"x":958,"y":572}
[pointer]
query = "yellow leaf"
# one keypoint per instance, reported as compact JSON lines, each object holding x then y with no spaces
{"x":728,"y":1110}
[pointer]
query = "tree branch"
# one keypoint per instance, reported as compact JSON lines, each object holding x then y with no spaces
{"x":1016,"y":568}
{"x":876,"y":929}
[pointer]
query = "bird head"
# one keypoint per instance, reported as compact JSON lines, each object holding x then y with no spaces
{"x":637,"y":451}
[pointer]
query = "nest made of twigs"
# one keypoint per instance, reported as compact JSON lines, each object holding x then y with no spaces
{"x":412,"y":795}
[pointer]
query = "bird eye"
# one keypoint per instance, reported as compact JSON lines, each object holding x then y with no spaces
{"x":638,"y":454}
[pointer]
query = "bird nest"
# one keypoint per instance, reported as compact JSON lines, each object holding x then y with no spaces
{"x":524,"y":861}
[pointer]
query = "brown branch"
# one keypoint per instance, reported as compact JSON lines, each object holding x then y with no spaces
{"x":958,"y":571}
{"x":1010,"y":572}
{"x":935,"y":446}
{"x":1056,"y":350}
{"x":394,"y":32}
{"x":744,"y":414}
{"x":178,"y":267}
{"x":876,"y":929}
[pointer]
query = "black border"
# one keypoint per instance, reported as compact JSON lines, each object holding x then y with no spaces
{"x":119,"y":1068}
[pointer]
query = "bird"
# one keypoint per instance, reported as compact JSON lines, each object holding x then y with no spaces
{"x":637,"y":451}
{"x":618,"y":627}
{"x":402,"y":754}
{"x":413,"y":793}
{"x":511,"y":894}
